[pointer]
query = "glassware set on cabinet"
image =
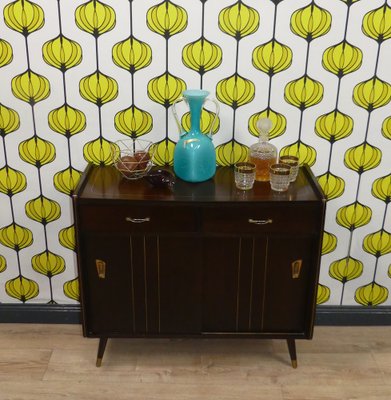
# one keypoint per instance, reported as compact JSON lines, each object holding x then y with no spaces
{"x":195,"y":157}
{"x":262,"y":165}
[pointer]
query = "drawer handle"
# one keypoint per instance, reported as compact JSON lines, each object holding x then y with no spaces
{"x":137,"y":220}
{"x":260,"y":221}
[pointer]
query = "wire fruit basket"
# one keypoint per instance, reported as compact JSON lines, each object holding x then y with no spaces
{"x":133,"y":158}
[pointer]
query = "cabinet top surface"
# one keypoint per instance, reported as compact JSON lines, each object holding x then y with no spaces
{"x":106,"y":183}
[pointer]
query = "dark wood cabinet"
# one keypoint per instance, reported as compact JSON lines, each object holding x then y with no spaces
{"x":197,"y":260}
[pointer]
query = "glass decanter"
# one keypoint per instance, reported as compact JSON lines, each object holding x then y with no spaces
{"x":263,"y":154}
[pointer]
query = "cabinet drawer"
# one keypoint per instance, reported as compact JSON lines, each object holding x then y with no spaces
{"x":133,"y":219}
{"x":262,"y":219}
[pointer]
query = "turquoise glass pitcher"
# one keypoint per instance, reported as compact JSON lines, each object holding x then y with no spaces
{"x":194,"y":154}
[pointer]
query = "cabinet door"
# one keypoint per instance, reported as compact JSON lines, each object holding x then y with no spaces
{"x":233,"y":283}
{"x":167,"y":284}
{"x":179,"y":284}
{"x":107,"y":284}
{"x":290,"y":280}
{"x":152,"y":285}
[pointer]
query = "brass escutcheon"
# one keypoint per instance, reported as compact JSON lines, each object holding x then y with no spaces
{"x":296,"y":268}
{"x":101,"y":268}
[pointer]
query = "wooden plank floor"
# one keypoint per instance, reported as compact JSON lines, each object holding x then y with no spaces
{"x":55,"y":362}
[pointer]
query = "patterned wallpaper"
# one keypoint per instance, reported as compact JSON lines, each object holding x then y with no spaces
{"x":77,"y":75}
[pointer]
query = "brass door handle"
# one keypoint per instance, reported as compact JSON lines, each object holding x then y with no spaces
{"x":296,"y":268}
{"x":137,"y":220}
{"x":260,"y":221}
{"x":101,"y":268}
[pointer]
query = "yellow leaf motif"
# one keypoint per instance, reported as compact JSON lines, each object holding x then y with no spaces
{"x":334,"y":126}
{"x":381,"y":188}
{"x":342,"y":59}
{"x":9,"y":120}
{"x":99,"y":152}
{"x":372,"y":94}
{"x":208,"y":118}
{"x":377,"y":23}
{"x":306,"y":153}
{"x":24,"y":16}
{"x":12,"y":181}
{"x":363,"y":157}
{"x":278,"y":123}
{"x":239,"y":20}
{"x":354,"y":216}
{"x":132,"y":54}
{"x":372,"y":294}
{"x":386,"y":128}
{"x":62,"y":53}
{"x":202,"y":55}
{"x":30,"y":87}
{"x":378,"y":243}
{"x":304,"y":92}
{"x":133,"y":122}
{"x":37,"y":151}
{"x":230,"y":153}
{"x":16,"y":237}
{"x":272,"y":57}
{"x":95,"y":17}
{"x":67,"y":120}
{"x":323,"y":294}
{"x":5,"y":53}
{"x":165,"y":89}
{"x":22,"y":288}
{"x":310,"y":22}
{"x":66,"y":180}
{"x":71,"y":289}
{"x":346,"y":269}
{"x":333,"y":186}
{"x":329,"y":243}
{"x":167,"y":19}
{"x":66,"y":237}
{"x":235,"y":91}
{"x":163,"y":152}
{"x":43,"y":210}
{"x":3,"y":264}
{"x":48,"y":263}
{"x":98,"y":88}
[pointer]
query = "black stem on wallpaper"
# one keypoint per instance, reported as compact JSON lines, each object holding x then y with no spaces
{"x":27,"y":52}
{"x":51,"y":291}
{"x":301,"y":109}
{"x":59,"y":16}
{"x":202,"y":19}
{"x":346,"y":265}
{"x":131,"y":35}
{"x":235,"y":105}
{"x":202,"y":37}
{"x":269,"y":95}
{"x":131,"y":19}
{"x":275,"y":21}
{"x":330,"y":156}
{"x":338,"y":92}
{"x":100,"y":122}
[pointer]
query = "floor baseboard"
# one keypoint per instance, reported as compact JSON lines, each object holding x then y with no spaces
{"x":70,"y":314}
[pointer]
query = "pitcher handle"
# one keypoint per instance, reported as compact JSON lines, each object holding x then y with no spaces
{"x":176,"y":117}
{"x":210,"y":134}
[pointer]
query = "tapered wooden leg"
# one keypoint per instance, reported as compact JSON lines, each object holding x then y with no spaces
{"x":101,"y":350}
{"x":292,"y":351}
